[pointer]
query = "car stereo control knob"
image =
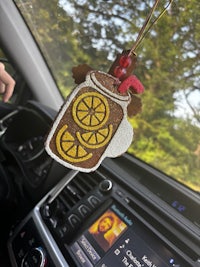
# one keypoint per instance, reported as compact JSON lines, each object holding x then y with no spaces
{"x":105,"y":186}
{"x":35,"y":257}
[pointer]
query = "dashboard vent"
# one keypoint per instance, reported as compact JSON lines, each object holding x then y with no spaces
{"x":78,"y":188}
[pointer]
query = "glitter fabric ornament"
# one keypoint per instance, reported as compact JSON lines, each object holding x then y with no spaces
{"x":93,"y":120}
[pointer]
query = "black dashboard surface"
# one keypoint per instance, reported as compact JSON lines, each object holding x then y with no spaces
{"x":23,"y":157}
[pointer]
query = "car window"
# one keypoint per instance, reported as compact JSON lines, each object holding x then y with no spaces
{"x":167,"y":130}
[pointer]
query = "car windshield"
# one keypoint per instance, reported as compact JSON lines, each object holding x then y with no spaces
{"x":166,"y":132}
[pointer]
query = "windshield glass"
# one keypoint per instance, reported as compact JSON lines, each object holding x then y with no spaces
{"x":167,"y":130}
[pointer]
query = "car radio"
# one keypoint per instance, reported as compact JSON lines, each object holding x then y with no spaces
{"x":101,"y":229}
{"x":90,"y":221}
{"x":117,"y":238}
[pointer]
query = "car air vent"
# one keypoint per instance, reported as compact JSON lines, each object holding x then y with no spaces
{"x":78,"y":199}
{"x":78,"y":188}
{"x":75,"y":191}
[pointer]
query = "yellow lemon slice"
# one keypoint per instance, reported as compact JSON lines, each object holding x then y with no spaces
{"x":91,"y":111}
{"x":67,"y":149}
{"x":95,"y":139}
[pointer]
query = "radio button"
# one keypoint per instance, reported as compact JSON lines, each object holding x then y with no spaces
{"x":105,"y":186}
{"x":80,"y":255}
{"x":74,"y":220}
{"x":94,"y":201}
{"x":84,"y":210}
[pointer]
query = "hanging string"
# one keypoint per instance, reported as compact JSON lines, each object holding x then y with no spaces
{"x":125,"y":61}
{"x":146,"y":27}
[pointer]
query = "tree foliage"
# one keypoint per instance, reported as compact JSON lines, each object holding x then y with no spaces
{"x":75,"y":32}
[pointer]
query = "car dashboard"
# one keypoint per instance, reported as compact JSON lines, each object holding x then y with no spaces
{"x":151,"y":220}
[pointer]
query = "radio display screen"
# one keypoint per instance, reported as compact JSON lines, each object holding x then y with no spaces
{"x":118,"y":239}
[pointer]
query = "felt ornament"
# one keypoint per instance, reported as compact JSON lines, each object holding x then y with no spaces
{"x":92,"y":124}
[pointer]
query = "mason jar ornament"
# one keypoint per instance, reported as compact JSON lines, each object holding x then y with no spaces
{"x":91,"y":123}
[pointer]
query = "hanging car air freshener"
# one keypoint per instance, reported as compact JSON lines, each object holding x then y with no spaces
{"x":92,"y":124}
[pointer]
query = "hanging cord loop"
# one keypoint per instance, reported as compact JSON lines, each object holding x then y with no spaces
{"x":146,"y":27}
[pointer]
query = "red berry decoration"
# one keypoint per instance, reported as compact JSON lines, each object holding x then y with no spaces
{"x":119,"y":72}
{"x":125,"y":61}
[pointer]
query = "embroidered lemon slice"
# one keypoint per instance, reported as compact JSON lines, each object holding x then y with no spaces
{"x":95,"y":139}
{"x":68,"y":149}
{"x":91,"y":111}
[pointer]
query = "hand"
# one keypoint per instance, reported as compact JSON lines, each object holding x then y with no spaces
{"x":7,"y":83}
